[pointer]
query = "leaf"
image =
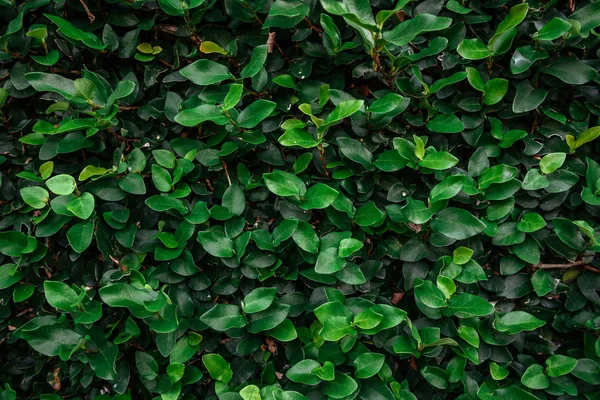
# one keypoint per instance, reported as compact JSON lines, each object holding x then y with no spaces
{"x":551,"y":162}
{"x":61,"y":184}
{"x":257,"y":60}
{"x":466,"y":305}
{"x":406,"y":31}
{"x":517,"y":321}
{"x":368,"y":215}
{"x":570,"y":70}
{"x":524,"y":57}
{"x":473,"y":49}
{"x":430,"y":295}
{"x":528,"y":98}
{"x":445,"y":123}
{"x":216,"y":244}
{"x":301,"y":372}
{"x":318,"y":196}
{"x":349,"y":246}
{"x":457,"y":223}
{"x":217,"y":367}
{"x":297,"y":137}
{"x":368,"y":364}
{"x":80,"y":236}
{"x":342,"y":386}
{"x":82,"y":206}
{"x":67,"y":29}
{"x":205,"y":72}
{"x":534,"y":377}
{"x":335,"y":319}
{"x":255,"y":113}
{"x":553,"y":29}
{"x":258,"y":300}
{"x":223,"y":317}
{"x":234,"y":200}
{"x":61,"y":296}
{"x":559,"y":365}
{"x":343,"y":110}
{"x":328,"y":261}
{"x":35,"y":196}
{"x":438,"y":161}
{"x":284,"y":184}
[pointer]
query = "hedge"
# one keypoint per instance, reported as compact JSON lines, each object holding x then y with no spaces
{"x":299,"y":199}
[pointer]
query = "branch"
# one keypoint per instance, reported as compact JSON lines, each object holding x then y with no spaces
{"x":91,"y":16}
{"x":561,"y":266}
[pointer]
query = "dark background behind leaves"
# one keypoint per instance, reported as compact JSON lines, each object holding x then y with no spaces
{"x":299,"y":199}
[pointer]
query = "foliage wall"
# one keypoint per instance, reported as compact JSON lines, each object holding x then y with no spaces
{"x":299,"y":199}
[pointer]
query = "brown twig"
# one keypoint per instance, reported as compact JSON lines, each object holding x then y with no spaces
{"x":311,"y":26}
{"x":322,"y":152}
{"x":166,"y":64}
{"x":226,"y":171}
{"x":91,"y":16}
{"x":560,"y":266}
{"x":128,"y":108}
{"x":572,"y":5}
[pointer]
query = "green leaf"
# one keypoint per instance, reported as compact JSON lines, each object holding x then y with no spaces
{"x":517,"y":321}
{"x":146,"y":365}
{"x":340,"y":387}
{"x":258,"y":300}
{"x":438,"y":161}
{"x":223,"y":317}
{"x":553,"y":29}
{"x":457,"y":223}
{"x":528,"y":98}
{"x":297,"y":137}
{"x":205,"y":72}
{"x":302,"y":372}
{"x":570,"y":70}
{"x":61,"y":184}
{"x":534,"y":377}
{"x":234,"y":200}
{"x":257,"y":60}
{"x":233,"y":97}
{"x":82,"y":206}
{"x":498,"y":372}
{"x":80,"y":236}
{"x":343,"y":110}
{"x":67,"y":29}
{"x":60,"y":295}
{"x":473,"y":49}
{"x":35,"y":196}
{"x":349,"y":246}
{"x":369,"y":215}
{"x":531,"y":222}
{"x":284,"y":184}
{"x":551,"y":162}
{"x":543,"y":282}
{"x":255,"y":113}
{"x":406,"y":31}
{"x":368,"y":364}
{"x":335,"y":319}
{"x":559,"y":365}
{"x":218,"y":368}
{"x":445,"y":123}
{"x":318,"y":196}
{"x":462,"y":255}
{"x":328,"y":261}
{"x":216,"y":244}
{"x":466,"y":305}
{"x":429,"y":294}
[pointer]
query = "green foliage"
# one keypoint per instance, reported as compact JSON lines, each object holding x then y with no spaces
{"x":286,"y":199}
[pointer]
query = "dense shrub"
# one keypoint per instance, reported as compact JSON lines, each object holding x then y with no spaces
{"x":299,"y":199}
